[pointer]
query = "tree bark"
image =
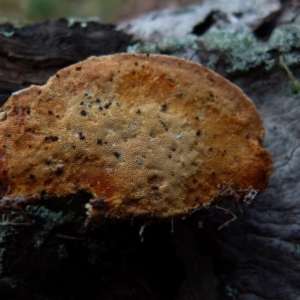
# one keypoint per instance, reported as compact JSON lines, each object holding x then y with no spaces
{"x":31,"y":54}
{"x":255,"y":257}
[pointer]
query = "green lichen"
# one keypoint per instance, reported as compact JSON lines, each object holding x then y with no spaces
{"x":284,"y":38}
{"x":171,"y":45}
{"x":7,"y":33}
{"x":229,"y":41}
{"x":291,"y":59}
{"x":168,"y":45}
{"x":212,"y":61}
{"x":242,"y":51}
{"x":147,"y":47}
{"x":49,"y":220}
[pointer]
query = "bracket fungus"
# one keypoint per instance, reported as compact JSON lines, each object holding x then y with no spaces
{"x":143,"y":135}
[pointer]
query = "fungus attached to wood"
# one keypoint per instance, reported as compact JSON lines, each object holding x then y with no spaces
{"x":144,"y":135}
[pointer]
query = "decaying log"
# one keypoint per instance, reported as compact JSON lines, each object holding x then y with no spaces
{"x":51,"y":253}
{"x":33,"y":53}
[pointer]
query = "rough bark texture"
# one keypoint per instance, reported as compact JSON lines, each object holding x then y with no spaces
{"x":256,"y":257}
{"x":30,"y":55}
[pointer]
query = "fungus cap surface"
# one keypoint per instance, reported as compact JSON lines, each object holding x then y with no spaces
{"x":144,"y":135}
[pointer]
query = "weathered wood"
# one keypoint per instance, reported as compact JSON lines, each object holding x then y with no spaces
{"x":31,"y":54}
{"x":256,"y":257}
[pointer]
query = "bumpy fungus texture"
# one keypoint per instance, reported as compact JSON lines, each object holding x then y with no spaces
{"x":144,"y":135}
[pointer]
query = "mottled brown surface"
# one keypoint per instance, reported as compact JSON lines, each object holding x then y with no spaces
{"x":143,"y":135}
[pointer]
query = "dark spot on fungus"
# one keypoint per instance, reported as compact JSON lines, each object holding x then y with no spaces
{"x":83,"y":113}
{"x":164,"y":125}
{"x":51,"y":138}
{"x":198,"y":133}
{"x":48,"y":162}
{"x":154,"y":181}
{"x":138,"y":112}
{"x":139,"y":162}
{"x":59,"y":170}
{"x":31,"y":176}
{"x":98,"y":100}
{"x":163,"y":107}
{"x":152,"y":134}
{"x":106,"y":106}
{"x":99,"y":142}
{"x":81,"y":136}
{"x":223,"y":152}
{"x":117,"y":155}
{"x":78,"y":68}
{"x":180,"y":94}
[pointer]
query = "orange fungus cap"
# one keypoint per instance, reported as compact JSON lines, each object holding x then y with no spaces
{"x":143,"y":135}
